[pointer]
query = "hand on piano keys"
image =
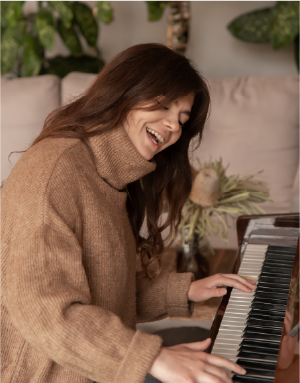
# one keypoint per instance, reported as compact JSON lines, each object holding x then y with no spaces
{"x":189,"y":363}
{"x":212,"y":286}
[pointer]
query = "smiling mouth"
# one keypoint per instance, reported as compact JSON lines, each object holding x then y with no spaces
{"x":154,"y":136}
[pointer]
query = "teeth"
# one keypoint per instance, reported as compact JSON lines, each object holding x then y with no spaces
{"x":158,"y":136}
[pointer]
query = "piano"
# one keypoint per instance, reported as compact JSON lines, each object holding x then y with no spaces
{"x":260,"y":330}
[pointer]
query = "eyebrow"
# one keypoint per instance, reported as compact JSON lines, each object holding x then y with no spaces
{"x":187,"y":112}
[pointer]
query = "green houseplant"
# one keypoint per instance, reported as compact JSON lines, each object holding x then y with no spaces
{"x":214,"y":201}
{"x":25,"y":38}
{"x":278,"y":25}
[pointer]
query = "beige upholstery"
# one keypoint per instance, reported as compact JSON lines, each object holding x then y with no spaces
{"x":74,"y":84}
{"x":253,"y":125}
{"x":25,"y":103}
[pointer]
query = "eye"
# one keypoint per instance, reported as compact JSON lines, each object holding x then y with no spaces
{"x":181,"y":124}
{"x":165,"y":108}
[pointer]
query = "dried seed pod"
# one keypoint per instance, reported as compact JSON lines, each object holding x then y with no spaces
{"x":205,"y":189}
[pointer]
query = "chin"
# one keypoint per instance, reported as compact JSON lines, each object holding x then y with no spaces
{"x":146,"y":154}
{"x":148,"y":157}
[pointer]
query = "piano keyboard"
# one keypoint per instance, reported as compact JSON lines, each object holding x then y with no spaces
{"x":250,"y":332}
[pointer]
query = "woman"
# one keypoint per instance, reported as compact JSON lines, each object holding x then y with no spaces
{"x":72,"y":211}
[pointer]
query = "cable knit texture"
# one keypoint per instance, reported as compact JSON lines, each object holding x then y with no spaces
{"x":70,"y":297}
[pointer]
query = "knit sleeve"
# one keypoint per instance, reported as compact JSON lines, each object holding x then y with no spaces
{"x":50,"y":304}
{"x":163,"y":296}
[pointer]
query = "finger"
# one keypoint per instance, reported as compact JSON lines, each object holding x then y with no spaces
{"x":223,"y":362}
{"x":198,"y":346}
{"x":216,"y":371}
{"x":237,"y":281}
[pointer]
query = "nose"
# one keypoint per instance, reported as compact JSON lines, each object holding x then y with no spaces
{"x":172,"y":123}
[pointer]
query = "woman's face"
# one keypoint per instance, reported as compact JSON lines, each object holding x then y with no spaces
{"x":153,"y":131}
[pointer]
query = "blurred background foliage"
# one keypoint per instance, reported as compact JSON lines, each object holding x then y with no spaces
{"x":278,"y":25}
{"x":26,"y":38}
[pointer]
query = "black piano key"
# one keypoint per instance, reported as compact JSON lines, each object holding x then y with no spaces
{"x":279,"y":280}
{"x":249,"y":365}
{"x":259,"y":348}
{"x":281,"y":257}
{"x":257,"y":356}
{"x":275,"y":274}
{"x":270,"y":288}
{"x":260,"y":372}
{"x":248,"y":379}
{"x":283,"y":249}
{"x":261,"y":336}
{"x":262,"y":305}
{"x":256,"y":343}
{"x":262,"y":330}
{"x":265,"y":316}
{"x":277,"y":268}
{"x":288,"y":263}
{"x":264,"y":322}
{"x":275,"y":313}
{"x":282,"y":289}
{"x":263,"y":297}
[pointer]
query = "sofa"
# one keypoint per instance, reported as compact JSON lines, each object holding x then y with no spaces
{"x":253,"y":125}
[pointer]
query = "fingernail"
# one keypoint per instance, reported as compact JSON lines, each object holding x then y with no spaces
{"x":244,"y":371}
{"x":253,"y":282}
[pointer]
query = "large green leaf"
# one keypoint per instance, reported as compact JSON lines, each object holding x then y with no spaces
{"x":296,"y":43}
{"x":44,"y":25}
{"x":11,"y":41}
{"x":61,"y":66}
{"x":64,"y":8}
{"x":70,"y":38}
{"x":252,"y":27}
{"x":32,"y":61}
{"x":105,"y":12}
{"x":285,"y":23}
{"x":3,"y":8}
{"x":86,"y":22}
{"x":156,"y":9}
{"x":2,"y":30}
{"x":11,"y":11}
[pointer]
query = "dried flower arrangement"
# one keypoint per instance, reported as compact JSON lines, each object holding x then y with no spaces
{"x":216,"y":197}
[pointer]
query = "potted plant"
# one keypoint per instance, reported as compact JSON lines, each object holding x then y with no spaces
{"x":215,"y":199}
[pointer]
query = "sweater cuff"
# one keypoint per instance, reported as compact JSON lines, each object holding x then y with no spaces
{"x":143,"y":350}
{"x":177,"y":295}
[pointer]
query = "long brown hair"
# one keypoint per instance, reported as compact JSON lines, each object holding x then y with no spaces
{"x":137,"y":75}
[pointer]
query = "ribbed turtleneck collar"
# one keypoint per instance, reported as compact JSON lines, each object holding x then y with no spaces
{"x":117,"y":160}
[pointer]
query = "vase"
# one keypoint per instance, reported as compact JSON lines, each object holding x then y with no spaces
{"x":192,"y":258}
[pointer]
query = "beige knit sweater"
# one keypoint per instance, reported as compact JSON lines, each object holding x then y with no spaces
{"x":70,"y":297}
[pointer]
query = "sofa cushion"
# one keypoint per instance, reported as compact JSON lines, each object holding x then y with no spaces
{"x":74,"y":84}
{"x":25,"y":104}
{"x":254,"y":125}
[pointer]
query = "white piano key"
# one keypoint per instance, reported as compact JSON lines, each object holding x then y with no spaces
{"x":225,"y":347}
{"x":231,"y":330}
{"x":235,"y":317}
{"x":232,"y":323}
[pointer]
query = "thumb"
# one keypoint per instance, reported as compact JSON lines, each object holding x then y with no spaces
{"x":210,"y":293}
{"x":198,"y":346}
{"x":220,"y":292}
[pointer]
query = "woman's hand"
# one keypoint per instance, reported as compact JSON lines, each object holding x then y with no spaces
{"x":187,"y":363}
{"x":211,"y":287}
